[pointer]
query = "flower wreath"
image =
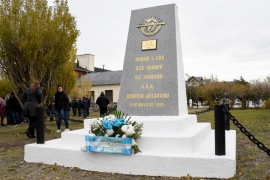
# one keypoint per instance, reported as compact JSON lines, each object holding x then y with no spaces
{"x":118,"y":125}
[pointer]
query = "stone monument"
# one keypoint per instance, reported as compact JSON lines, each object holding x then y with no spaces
{"x":152,"y":82}
{"x":152,"y":92}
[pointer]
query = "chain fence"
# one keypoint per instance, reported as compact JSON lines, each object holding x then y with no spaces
{"x":251,"y":137}
{"x":228,"y":115}
{"x":201,"y":112}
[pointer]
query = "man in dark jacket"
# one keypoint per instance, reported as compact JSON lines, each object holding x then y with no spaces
{"x":61,"y":104}
{"x":85,"y":106}
{"x":12,"y":108}
{"x":102,"y":102}
{"x":88,"y":105}
{"x":80,"y":107}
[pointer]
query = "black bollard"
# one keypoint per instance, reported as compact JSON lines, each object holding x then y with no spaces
{"x":220,"y":148}
{"x":40,"y":125}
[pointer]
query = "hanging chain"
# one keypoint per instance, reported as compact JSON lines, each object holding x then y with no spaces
{"x":228,"y":115}
{"x":203,"y":111}
{"x":244,"y":131}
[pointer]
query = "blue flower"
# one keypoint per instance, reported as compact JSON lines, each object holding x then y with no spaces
{"x":107,"y":124}
{"x":119,"y":122}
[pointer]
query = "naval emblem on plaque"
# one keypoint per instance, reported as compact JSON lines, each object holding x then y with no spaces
{"x":151,"y":26}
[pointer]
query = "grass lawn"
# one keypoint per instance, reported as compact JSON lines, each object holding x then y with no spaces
{"x":252,"y":163}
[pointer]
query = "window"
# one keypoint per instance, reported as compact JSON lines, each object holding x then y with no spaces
{"x":109,"y":94}
{"x":92,"y":96}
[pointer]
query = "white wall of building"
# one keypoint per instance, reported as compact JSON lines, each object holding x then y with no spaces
{"x":86,"y":61}
{"x":115,"y":88}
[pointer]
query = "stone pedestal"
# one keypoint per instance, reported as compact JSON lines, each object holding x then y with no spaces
{"x":190,"y":152}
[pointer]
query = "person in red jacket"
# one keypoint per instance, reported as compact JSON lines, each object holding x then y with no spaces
{"x":2,"y":111}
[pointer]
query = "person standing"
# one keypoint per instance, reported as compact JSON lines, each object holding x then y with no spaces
{"x":12,"y":106}
{"x":33,"y":96}
{"x":88,"y":105}
{"x":50,"y":111}
{"x":68,"y":109}
{"x":84,"y":107}
{"x":102,"y":102}
{"x":61,"y":101}
{"x":74,"y":106}
{"x":80,"y":107}
{"x":7,"y":110}
{"x":2,"y":111}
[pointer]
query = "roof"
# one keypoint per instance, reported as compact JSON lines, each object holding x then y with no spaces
{"x":79,"y":68}
{"x":96,"y":69}
{"x":104,"y":78}
{"x":198,"y":78}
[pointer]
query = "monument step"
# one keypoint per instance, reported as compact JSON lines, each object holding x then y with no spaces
{"x":74,"y":138}
{"x":201,"y":163}
{"x":166,"y":125}
{"x":186,"y":141}
{"x":155,"y":124}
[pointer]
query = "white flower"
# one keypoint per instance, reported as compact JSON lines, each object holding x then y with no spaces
{"x":117,"y":135}
{"x":124,"y":136}
{"x":106,"y":135}
{"x":128,"y":129}
{"x":111,"y":117}
{"x":98,"y":122}
{"x":110,"y":132}
{"x":83,"y":149}
{"x":124,"y":128}
{"x":133,"y":143}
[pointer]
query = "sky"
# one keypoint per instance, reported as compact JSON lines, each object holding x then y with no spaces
{"x":225,"y":39}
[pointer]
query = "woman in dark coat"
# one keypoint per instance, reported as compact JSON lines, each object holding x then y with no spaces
{"x":32,"y":96}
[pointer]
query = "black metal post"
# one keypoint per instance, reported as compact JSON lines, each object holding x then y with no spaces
{"x":40,"y":125}
{"x":220,"y":148}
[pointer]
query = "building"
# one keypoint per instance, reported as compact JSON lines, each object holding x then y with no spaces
{"x":194,"y":81}
{"x":79,"y":71}
{"x":85,"y":64}
{"x":107,"y":81}
{"x":86,"y":61}
{"x":101,"y":79}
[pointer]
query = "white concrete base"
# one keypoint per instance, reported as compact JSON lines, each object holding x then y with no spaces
{"x":190,"y":152}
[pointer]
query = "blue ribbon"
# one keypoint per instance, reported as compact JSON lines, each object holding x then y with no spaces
{"x":108,"y":139}
{"x":111,"y":150}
